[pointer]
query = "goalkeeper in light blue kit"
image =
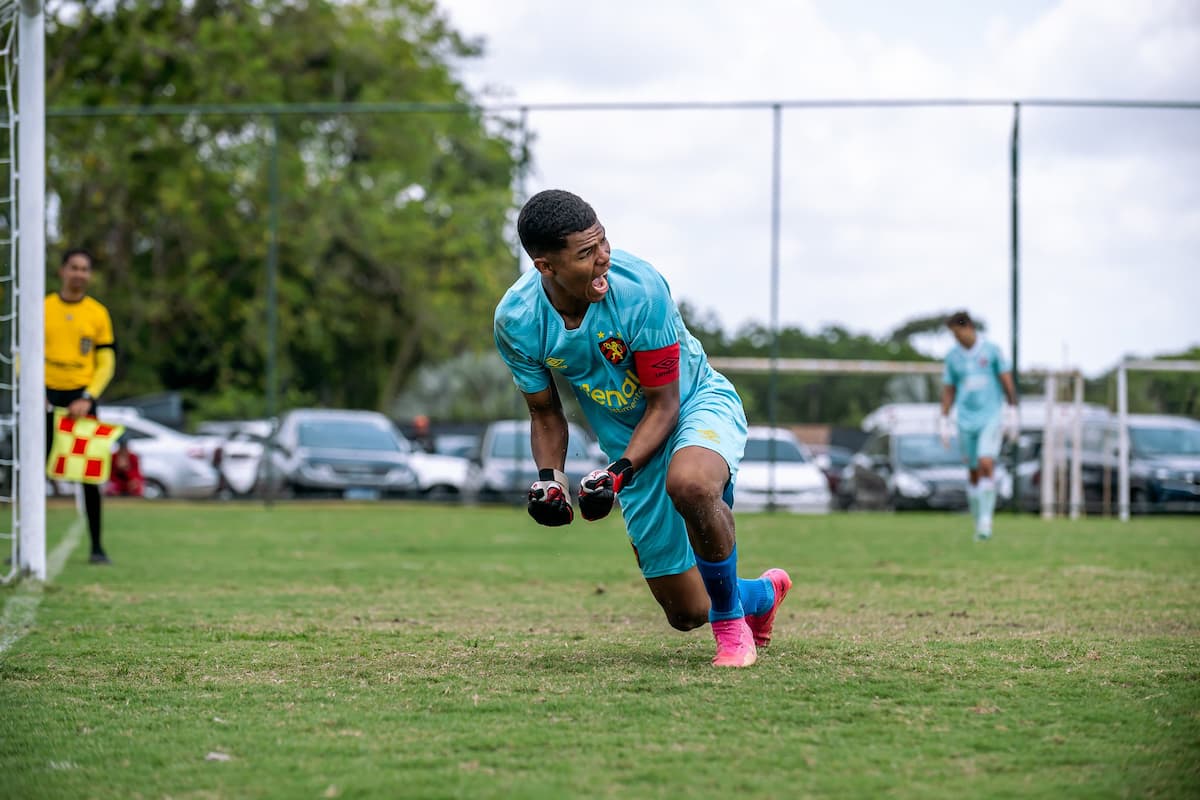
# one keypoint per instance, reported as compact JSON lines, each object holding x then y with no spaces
{"x":605,"y":321}
{"x":976,"y":380}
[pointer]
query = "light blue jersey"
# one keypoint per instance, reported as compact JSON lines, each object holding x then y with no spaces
{"x":596,"y":359}
{"x":975,"y":376}
{"x":637,"y":314}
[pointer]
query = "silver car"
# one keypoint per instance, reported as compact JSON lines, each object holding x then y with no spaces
{"x":173,"y":464}
{"x":506,"y":460}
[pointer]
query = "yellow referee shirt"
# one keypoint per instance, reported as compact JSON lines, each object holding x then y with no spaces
{"x":74,"y":332}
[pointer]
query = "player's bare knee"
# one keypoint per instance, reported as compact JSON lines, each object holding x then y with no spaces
{"x":688,"y":491}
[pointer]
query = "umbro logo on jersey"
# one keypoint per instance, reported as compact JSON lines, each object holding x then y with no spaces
{"x":666,"y":365}
{"x":556,"y":363}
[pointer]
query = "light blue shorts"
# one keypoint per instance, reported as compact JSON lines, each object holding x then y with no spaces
{"x":713,"y":419}
{"x":982,"y":443}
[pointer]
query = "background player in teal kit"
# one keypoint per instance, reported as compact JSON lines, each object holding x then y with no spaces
{"x":606,"y":323}
{"x":976,"y":380}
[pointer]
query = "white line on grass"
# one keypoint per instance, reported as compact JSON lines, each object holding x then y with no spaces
{"x":21,"y":608}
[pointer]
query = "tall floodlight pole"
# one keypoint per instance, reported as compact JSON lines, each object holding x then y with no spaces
{"x":1015,"y":254}
{"x":522,"y":174}
{"x":776,"y":201}
{"x":31,"y":260}
{"x":272,"y":300}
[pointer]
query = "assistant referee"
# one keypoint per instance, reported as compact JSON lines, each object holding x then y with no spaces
{"x":80,"y":361}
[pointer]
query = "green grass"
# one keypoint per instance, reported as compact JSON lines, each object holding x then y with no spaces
{"x":382,"y":650}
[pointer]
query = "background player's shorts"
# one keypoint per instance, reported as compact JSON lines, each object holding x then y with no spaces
{"x":713,"y":419}
{"x":982,"y":443}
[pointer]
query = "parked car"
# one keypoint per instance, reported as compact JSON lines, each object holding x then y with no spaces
{"x":778,"y":472}
{"x":242,"y":455}
{"x":443,"y":476}
{"x":905,"y":468}
{"x":173,"y":464}
{"x":832,"y":459}
{"x":1164,"y":463}
{"x":352,"y":454}
{"x":356,"y":454}
{"x":507,"y":468}
{"x":463,"y":445}
{"x":243,"y":443}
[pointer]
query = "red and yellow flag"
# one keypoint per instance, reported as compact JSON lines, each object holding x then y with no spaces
{"x":82,"y":448}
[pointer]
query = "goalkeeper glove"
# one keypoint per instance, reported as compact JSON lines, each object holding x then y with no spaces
{"x":549,"y":502}
{"x":599,"y":488}
{"x":944,"y":431}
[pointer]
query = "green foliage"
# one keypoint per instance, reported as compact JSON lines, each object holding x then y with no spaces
{"x":1153,"y":392}
{"x":392,"y":249}
{"x":835,"y":400}
{"x":1167,"y":392}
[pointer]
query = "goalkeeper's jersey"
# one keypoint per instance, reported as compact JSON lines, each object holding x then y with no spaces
{"x":74,"y":331}
{"x":637,"y":314}
{"x":975,"y":376}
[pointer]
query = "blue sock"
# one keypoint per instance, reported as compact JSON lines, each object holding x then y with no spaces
{"x":757,"y":595}
{"x":721,"y":582}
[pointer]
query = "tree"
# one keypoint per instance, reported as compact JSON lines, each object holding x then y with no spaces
{"x":392,"y":248}
{"x":835,"y":400}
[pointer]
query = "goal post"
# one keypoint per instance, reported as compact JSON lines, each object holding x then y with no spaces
{"x":1053,"y":453}
{"x":1123,"y":444}
{"x":31,"y":266}
{"x":24,"y":282}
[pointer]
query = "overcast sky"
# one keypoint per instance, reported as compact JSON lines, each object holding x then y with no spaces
{"x":886,"y":214}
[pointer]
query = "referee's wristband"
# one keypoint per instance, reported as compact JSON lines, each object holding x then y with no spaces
{"x":86,"y":395}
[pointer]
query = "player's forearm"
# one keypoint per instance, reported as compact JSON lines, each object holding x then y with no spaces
{"x":1010,"y":388}
{"x":947,"y":399}
{"x":548,"y":436}
{"x":652,"y":430}
{"x":106,"y":366}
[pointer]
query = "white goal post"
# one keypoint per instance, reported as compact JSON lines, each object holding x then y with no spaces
{"x":24,"y":59}
{"x":1123,"y":449}
{"x":1052,"y":453}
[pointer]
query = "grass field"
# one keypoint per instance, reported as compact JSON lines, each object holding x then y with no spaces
{"x":381,"y":650}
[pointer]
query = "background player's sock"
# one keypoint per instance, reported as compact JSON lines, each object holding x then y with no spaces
{"x":987,"y":504}
{"x":721,"y":582}
{"x":973,"y":503}
{"x":758,"y":595}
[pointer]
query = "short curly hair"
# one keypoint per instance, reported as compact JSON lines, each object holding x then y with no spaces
{"x":549,"y":217}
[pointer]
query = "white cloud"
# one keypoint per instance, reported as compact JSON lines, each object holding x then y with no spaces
{"x":887,"y":213}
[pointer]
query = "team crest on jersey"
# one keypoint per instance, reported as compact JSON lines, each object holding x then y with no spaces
{"x":983,"y":362}
{"x":85,"y":346}
{"x":556,"y":363}
{"x":614,"y":349}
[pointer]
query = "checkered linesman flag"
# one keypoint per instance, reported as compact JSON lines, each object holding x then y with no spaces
{"x":82,"y":449}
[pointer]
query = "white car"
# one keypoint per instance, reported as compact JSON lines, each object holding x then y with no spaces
{"x":173,"y":464}
{"x":243,"y":443}
{"x":778,"y":472}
